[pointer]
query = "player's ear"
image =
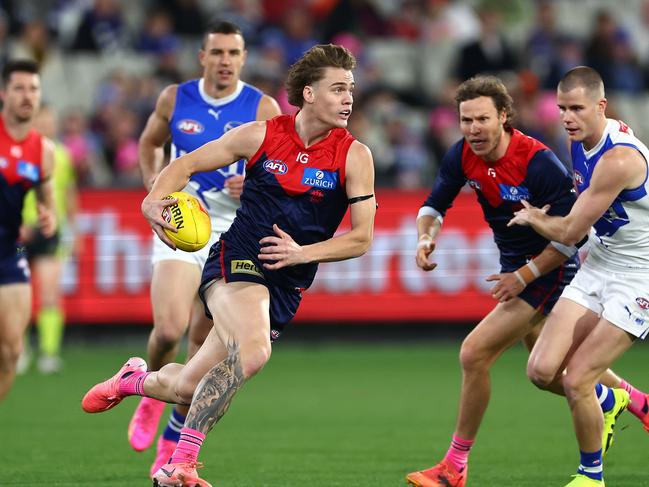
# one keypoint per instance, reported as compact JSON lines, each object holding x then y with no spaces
{"x":201,"y":57}
{"x":308,"y":94}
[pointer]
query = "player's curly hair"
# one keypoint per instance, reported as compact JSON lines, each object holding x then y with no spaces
{"x":310,"y":68}
{"x":491,"y":87}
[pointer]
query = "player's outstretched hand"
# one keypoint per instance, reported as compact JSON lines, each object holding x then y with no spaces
{"x":234,"y":186}
{"x":281,"y":249}
{"x":46,"y":220}
{"x":526,"y":215}
{"x":152,"y":211}
{"x":425,"y":247}
{"x":507,"y":286}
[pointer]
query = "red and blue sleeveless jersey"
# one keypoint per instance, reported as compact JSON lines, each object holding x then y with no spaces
{"x":20,"y":170}
{"x":528,"y":171}
{"x":301,"y":189}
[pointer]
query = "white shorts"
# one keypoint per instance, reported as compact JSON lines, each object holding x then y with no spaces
{"x":161,"y":252}
{"x":621,"y":298}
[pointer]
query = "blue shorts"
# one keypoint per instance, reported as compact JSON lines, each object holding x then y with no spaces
{"x":233,"y":265}
{"x":14,"y":268}
{"x":543,"y":292}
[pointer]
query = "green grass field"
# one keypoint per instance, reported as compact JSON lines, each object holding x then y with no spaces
{"x":330,"y":415}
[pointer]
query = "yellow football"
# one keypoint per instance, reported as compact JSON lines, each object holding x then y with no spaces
{"x":190,"y":219}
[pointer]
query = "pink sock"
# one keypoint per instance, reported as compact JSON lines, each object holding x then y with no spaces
{"x":638,"y":404}
{"x":188,"y":446}
{"x":133,"y":384}
{"x":458,"y":453}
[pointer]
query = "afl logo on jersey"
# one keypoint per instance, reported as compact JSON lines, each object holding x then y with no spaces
{"x":231,"y":125}
{"x":579,"y":179}
{"x":189,"y":126}
{"x":275,"y":166}
{"x":642,"y":302}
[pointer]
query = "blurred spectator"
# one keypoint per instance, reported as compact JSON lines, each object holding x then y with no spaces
{"x":4,"y":38}
{"x":158,"y":36}
{"x":121,"y":147}
{"x":247,"y":14}
{"x":542,"y":43}
{"x":187,"y":15}
{"x":84,"y":148}
{"x":406,"y":22}
{"x":294,"y":38}
{"x":568,"y":54}
{"x":490,"y":53}
{"x":359,"y":17}
{"x":101,"y":29}
{"x":609,"y":52}
{"x":449,"y":20}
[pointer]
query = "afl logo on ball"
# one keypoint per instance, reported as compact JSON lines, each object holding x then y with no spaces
{"x":642,"y":302}
{"x":191,"y":127}
{"x":274,"y":166}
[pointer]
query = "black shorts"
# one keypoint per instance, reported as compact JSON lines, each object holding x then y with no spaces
{"x":543,"y":292}
{"x":41,"y":245}
{"x":232,"y":265}
{"x":14,"y":268}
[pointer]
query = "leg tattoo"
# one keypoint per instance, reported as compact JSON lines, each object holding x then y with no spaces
{"x":215,"y":391}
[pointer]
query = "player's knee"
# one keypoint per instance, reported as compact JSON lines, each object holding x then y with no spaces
{"x":575,"y":386}
{"x":472,"y":356}
{"x":165,"y":337}
{"x":10,"y":350}
{"x":254,"y":357}
{"x":542,"y":377}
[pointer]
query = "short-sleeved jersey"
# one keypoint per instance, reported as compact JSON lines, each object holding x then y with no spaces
{"x":620,"y":238}
{"x":20,"y":170}
{"x":528,"y":171}
{"x":198,"y":119}
{"x":301,"y":189}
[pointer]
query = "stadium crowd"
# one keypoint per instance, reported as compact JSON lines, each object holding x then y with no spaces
{"x":104,"y":62}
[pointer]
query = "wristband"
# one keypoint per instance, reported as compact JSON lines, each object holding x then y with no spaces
{"x":527,"y":273}
{"x":520,"y":278}
{"x":535,"y":270}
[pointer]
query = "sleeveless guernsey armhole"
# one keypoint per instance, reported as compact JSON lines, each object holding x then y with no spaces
{"x":346,"y":144}
{"x":260,"y":151}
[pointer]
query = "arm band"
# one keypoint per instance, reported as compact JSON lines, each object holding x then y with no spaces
{"x":430,"y":211}
{"x":567,"y":250}
{"x":357,"y":199}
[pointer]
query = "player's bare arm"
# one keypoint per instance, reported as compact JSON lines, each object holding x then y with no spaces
{"x":155,"y":135}
{"x":360,"y":188}
{"x":45,"y":191}
{"x":511,"y":284}
{"x":620,"y":168}
{"x":239,"y":143}
{"x":428,"y":227}
{"x":267,"y":109}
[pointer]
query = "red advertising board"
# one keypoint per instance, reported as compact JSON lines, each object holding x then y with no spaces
{"x":109,"y":282}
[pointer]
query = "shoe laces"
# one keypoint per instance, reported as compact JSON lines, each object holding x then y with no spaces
{"x":192,"y":465}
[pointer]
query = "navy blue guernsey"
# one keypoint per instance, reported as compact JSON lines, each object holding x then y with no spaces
{"x":302,"y":190}
{"x":528,"y":171}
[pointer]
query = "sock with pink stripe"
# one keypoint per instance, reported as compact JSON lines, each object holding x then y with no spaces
{"x":638,"y":404}
{"x":132,"y":383}
{"x":458,"y":453}
{"x":188,"y":446}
